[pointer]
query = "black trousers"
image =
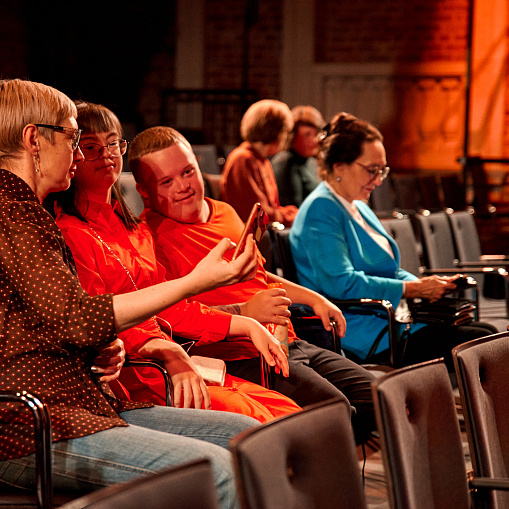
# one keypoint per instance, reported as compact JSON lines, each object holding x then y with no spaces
{"x":317,"y":374}
{"x":435,"y":341}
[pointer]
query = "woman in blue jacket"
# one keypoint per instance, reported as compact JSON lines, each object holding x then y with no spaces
{"x":342,"y":250}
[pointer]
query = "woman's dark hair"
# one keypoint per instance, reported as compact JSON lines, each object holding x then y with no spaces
{"x":304,"y":116}
{"x":93,"y":119}
{"x":343,"y":143}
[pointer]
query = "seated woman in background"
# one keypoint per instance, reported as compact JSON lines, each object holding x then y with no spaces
{"x":296,"y":168}
{"x":248,"y":176}
{"x":342,"y":250}
{"x":114,"y":252}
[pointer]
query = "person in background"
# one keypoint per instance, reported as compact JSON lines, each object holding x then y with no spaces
{"x":61,"y":344}
{"x":186,"y":226}
{"x":296,"y":168}
{"x":248,"y":176}
{"x":342,"y":251}
{"x":114,"y":253}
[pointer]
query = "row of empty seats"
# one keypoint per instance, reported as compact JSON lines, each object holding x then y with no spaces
{"x":410,"y":193}
{"x":447,"y":243}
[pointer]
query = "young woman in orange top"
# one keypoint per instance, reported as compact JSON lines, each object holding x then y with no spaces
{"x":114,"y":252}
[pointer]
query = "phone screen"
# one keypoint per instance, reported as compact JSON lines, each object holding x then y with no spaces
{"x":256,"y":224}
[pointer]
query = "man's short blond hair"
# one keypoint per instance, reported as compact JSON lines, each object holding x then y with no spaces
{"x":149,"y":141}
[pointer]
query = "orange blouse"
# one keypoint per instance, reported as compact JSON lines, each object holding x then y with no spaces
{"x":100,"y":272}
{"x":248,"y":178}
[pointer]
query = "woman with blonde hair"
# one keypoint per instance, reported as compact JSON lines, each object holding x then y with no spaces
{"x":60,"y":343}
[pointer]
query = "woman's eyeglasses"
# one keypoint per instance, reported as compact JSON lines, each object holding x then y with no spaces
{"x":75,"y":134}
{"x":93,"y":151}
{"x":376,"y":171}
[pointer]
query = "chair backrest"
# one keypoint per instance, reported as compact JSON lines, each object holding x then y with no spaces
{"x":408,"y":192}
{"x":431,"y":192}
{"x":437,"y":240}
{"x":130,"y":193}
{"x":402,"y":231}
{"x":383,"y":198}
{"x":187,"y":487}
{"x":307,"y":459}
{"x":207,"y":158}
{"x":266,"y":247}
{"x":482,"y":369}
{"x":284,"y":250}
{"x":466,"y":236}
{"x":420,"y":438}
{"x":228,"y":149}
{"x":453,"y":190}
{"x":212,"y":184}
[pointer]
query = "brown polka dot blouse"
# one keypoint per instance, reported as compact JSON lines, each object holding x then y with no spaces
{"x":48,"y":326}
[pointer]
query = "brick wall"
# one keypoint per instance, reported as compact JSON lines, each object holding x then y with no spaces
{"x":399,"y":31}
{"x":224,"y":46}
{"x":13,"y":40}
{"x":390,"y":31}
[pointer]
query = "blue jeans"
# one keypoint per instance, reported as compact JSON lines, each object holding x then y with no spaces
{"x":156,"y":438}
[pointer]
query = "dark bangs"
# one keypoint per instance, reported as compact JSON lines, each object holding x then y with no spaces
{"x":95,"y":118}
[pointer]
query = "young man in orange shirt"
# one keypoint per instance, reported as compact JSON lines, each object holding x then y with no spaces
{"x":186,"y":225}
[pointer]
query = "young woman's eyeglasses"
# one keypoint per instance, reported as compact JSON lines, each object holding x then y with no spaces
{"x":376,"y":171}
{"x":93,"y":151}
{"x":75,"y":134}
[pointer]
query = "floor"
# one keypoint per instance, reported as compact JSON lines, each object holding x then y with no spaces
{"x":375,"y":485}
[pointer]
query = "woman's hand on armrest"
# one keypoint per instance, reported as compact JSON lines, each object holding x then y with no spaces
{"x":330,"y":315}
{"x":187,"y":385}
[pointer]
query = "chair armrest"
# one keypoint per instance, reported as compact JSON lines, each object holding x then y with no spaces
{"x":152,"y":363}
{"x":495,"y":258}
{"x":303,"y":317}
{"x":487,"y":263}
{"x":489,"y":483}
{"x":42,"y":435}
{"x":470,"y":269}
{"x":267,"y":374}
{"x":387,"y":307}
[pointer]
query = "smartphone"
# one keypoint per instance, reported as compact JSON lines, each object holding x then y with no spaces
{"x":256,"y":224}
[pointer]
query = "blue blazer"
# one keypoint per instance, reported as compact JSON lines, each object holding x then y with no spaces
{"x":336,"y":257}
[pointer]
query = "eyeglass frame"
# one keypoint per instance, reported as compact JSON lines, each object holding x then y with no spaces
{"x":382,"y":172}
{"x":75,"y":133}
{"x":120,"y":141}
